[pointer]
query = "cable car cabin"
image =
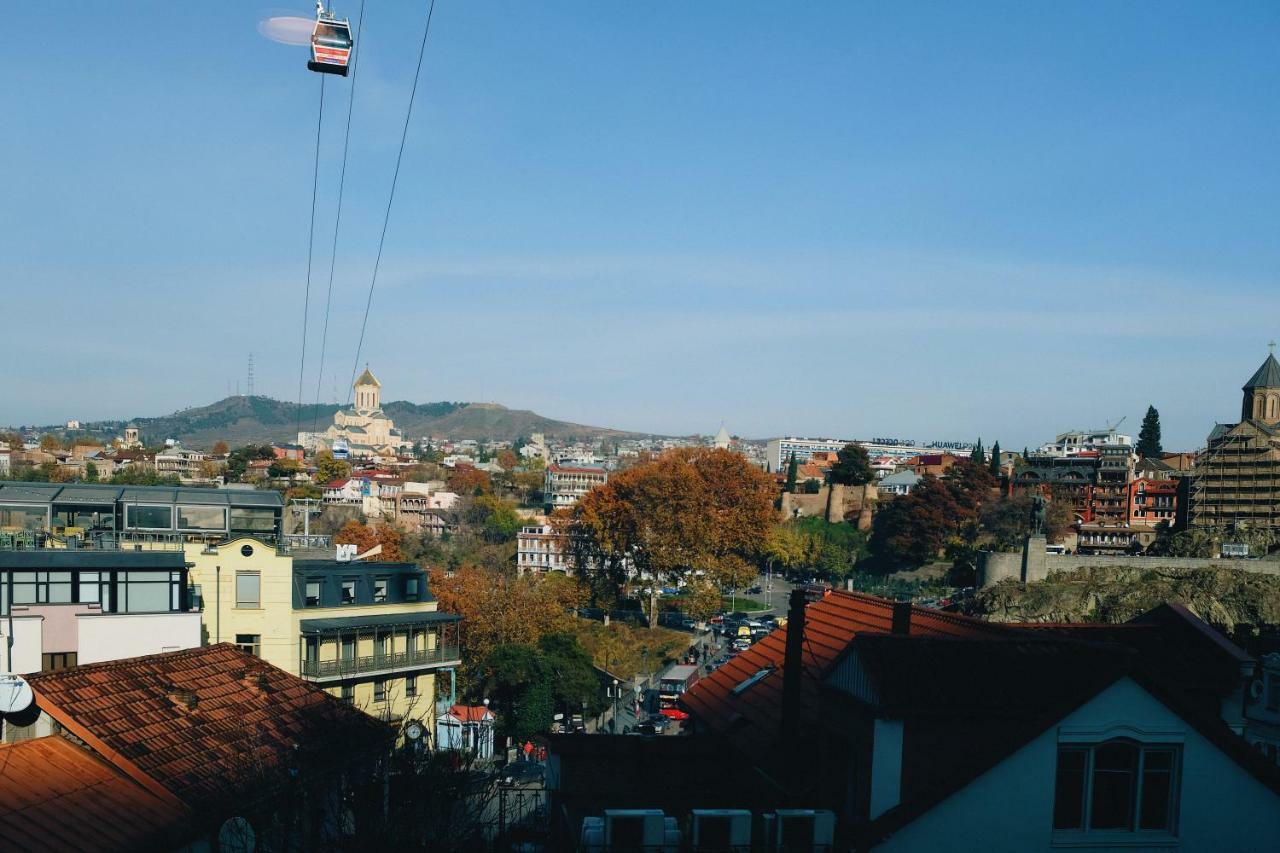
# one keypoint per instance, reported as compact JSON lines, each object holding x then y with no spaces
{"x":331,"y":45}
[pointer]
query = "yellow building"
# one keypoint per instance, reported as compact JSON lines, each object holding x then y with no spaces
{"x":367,"y":632}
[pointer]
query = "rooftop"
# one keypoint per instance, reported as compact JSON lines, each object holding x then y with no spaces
{"x":1266,"y":376}
{"x":104,"y":494}
{"x":211,"y":726}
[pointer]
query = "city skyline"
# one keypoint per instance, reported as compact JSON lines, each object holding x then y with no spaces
{"x":789,"y":222}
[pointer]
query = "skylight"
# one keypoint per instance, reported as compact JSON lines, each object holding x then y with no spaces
{"x":759,"y":676}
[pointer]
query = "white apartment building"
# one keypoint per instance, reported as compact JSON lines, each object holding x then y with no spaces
{"x":568,"y":480}
{"x":539,"y":548}
{"x":1075,"y":441}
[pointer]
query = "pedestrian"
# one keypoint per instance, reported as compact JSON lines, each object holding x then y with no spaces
{"x":528,"y":749}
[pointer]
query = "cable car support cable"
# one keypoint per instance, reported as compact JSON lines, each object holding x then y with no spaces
{"x":342,"y":182}
{"x":311,"y":239}
{"x":404,"y":134}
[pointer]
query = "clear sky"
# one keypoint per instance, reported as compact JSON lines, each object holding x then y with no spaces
{"x":926,"y":220}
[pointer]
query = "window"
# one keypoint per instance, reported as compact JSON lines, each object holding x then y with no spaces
{"x":251,"y":643}
{"x":57,"y":660}
{"x":25,"y":517}
{"x":313,"y":593}
{"x":379,"y":690}
{"x":349,"y":694}
{"x":149,"y":592}
{"x":150,"y":517}
{"x":381,"y":645}
{"x":202,"y":518}
{"x":248,"y":589}
{"x":411,"y":686}
{"x":379,"y":589}
{"x":88,"y":588}
{"x":349,"y":591}
{"x":42,"y":587}
{"x":1116,"y":786}
{"x":253,"y":520}
{"x":348,"y":647}
{"x":411,"y":589}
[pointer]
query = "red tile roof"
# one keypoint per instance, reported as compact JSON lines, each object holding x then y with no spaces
{"x":469,"y":713}
{"x":210,"y":725}
{"x":830,"y":627}
{"x":55,"y":795}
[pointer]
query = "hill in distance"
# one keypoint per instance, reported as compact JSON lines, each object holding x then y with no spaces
{"x":258,"y":420}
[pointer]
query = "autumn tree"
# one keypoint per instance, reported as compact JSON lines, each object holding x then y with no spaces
{"x":469,"y":480}
{"x":701,"y":599}
{"x":507,"y":459}
{"x":366,"y":536}
{"x":220,"y":448}
{"x":852,"y":466}
{"x":49,"y":443}
{"x":692,"y":510}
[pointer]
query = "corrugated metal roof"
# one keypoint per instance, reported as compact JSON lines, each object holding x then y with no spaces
{"x":55,"y":795}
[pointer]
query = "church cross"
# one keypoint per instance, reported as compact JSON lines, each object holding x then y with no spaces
{"x":1271,"y":345}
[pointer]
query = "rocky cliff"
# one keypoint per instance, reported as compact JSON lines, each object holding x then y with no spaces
{"x":1220,"y":596}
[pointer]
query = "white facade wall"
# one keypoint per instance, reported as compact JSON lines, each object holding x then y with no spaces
{"x":111,"y":636}
{"x":27,"y":644}
{"x":1222,"y":808}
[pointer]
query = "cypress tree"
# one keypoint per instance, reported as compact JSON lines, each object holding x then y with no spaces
{"x":977,"y":455}
{"x":1149,"y":436}
{"x":995,"y":459}
{"x":793,"y":468}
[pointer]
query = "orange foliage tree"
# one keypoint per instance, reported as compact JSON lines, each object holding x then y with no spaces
{"x":469,"y":480}
{"x":365,"y":536}
{"x":497,"y":610}
{"x":691,"y":511}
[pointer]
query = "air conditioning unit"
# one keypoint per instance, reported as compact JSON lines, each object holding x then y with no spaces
{"x":796,"y":830}
{"x":721,"y":830}
{"x":631,"y":829}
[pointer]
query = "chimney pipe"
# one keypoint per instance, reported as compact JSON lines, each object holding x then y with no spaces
{"x":793,"y":662}
{"x":901,"y":618}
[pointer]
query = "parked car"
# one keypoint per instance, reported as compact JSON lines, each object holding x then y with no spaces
{"x":742,"y":644}
{"x":755,"y":590}
{"x":658,"y":722}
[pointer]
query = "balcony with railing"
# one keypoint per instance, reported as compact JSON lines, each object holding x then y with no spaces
{"x":444,"y":654}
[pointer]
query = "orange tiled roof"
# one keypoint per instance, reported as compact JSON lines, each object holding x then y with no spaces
{"x":830,"y":627}
{"x":206,"y":725}
{"x":469,"y":713}
{"x":55,"y":795}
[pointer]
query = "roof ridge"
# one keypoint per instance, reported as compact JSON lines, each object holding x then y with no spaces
{"x":126,"y":663}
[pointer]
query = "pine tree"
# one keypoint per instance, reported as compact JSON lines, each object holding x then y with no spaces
{"x":1025,"y":454}
{"x":1149,"y":437}
{"x":977,"y":455}
{"x":793,"y":469}
{"x":995,"y":460}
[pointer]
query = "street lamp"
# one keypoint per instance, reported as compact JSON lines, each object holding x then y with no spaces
{"x":615,"y":706}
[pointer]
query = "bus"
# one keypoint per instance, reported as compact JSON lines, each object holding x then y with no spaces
{"x":673,"y":684}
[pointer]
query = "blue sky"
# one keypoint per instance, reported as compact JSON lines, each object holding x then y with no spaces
{"x":928,"y":220}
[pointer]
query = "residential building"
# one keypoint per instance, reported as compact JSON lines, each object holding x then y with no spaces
{"x":363,"y":428}
{"x":900,"y":483}
{"x":202,"y":749}
{"x":540,"y":548}
{"x":937,"y":464}
{"x":1152,"y":501}
{"x":779,"y":451}
{"x":1076,"y":441}
{"x":295,"y":452}
{"x":567,"y":481}
{"x":105,"y":514}
{"x":1097,"y":736}
{"x":71,"y":606}
{"x":6,"y":460}
{"x":1237,"y":480}
{"x":367,"y":632}
{"x":182,"y":461}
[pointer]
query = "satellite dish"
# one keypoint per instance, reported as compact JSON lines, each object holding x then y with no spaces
{"x":15,"y":694}
{"x":236,"y":836}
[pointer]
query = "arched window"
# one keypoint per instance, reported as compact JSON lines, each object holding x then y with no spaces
{"x":1271,"y":407}
{"x":1257,"y":406}
{"x":1118,"y":785}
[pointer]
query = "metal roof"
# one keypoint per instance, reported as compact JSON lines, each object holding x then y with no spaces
{"x":351,"y":623}
{"x":1267,"y":376}
{"x":103,"y":493}
{"x":59,"y":558}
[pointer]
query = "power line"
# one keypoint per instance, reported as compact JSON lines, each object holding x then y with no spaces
{"x":311,"y":239}
{"x":404,"y":134}
{"x":342,"y":182}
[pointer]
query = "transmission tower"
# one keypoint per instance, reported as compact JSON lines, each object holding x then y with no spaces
{"x":250,"y":374}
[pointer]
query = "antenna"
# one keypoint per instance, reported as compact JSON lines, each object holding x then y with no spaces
{"x":250,"y":374}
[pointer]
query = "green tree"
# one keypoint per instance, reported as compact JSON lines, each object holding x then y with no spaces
{"x":516,"y":680}
{"x":329,"y":469}
{"x":852,"y":467}
{"x":701,"y":599}
{"x":995,"y":460}
{"x":793,"y":470}
{"x":284,"y":468}
{"x":977,"y":454}
{"x":573,"y":677}
{"x":90,"y":472}
{"x":1149,"y":436}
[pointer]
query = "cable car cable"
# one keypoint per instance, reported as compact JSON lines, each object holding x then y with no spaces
{"x":342,"y":182}
{"x":311,"y":239}
{"x":404,"y":134}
